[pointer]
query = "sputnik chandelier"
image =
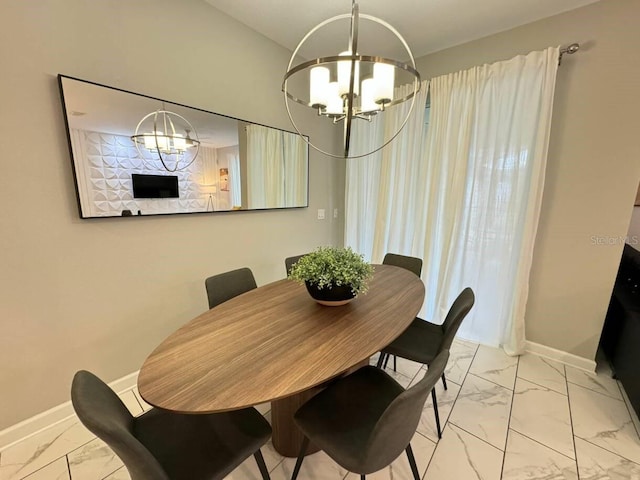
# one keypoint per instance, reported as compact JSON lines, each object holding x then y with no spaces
{"x":162,"y":138}
{"x":337,"y":91}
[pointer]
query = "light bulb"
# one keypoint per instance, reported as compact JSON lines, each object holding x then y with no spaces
{"x":179,"y":143}
{"x":384,"y":76}
{"x":334,"y":101}
{"x":149,"y":141}
{"x":161,"y":141}
{"x":367,"y":101}
{"x":318,"y":84}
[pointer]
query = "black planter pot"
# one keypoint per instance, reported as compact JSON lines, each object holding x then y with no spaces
{"x":332,"y":297}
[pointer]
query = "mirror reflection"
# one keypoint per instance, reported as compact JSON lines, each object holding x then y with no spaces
{"x":237,"y":165}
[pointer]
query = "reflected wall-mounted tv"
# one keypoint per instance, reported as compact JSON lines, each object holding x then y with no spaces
{"x":154,"y":186}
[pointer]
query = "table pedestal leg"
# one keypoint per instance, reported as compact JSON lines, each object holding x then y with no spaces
{"x":287,"y":438}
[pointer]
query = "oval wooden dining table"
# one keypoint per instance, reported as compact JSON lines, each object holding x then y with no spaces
{"x":275,"y":344}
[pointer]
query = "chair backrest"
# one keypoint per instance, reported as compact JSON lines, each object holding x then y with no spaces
{"x":399,"y":422}
{"x":103,"y":413}
{"x":412,"y":264}
{"x":459,"y":309}
{"x":225,"y":286}
{"x":291,"y":261}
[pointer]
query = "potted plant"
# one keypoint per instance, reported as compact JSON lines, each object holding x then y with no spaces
{"x":333,"y":276}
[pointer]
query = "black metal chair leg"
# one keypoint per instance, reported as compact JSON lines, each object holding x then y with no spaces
{"x":363,"y":477}
{"x":261,"y":465}
{"x":412,"y":462}
{"x":394,"y":363}
{"x":444,"y":382}
{"x":435,"y":411}
{"x":380,"y":360}
{"x":386,"y":361}
{"x":303,"y":450}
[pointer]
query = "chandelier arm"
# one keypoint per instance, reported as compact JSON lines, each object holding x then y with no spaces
{"x":155,"y":130}
{"x":176,"y":169}
{"x":405,"y":98}
{"x":173,"y":127}
{"x":155,"y":134}
{"x":193,"y":159}
{"x":286,"y":104}
{"x":347,"y":130}
{"x":353,"y":40}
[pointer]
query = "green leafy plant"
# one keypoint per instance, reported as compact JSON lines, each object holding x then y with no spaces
{"x":329,"y":266}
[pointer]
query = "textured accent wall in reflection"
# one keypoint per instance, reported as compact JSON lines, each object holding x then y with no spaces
{"x":105,"y":178}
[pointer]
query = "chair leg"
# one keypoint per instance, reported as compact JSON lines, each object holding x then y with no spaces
{"x":261,"y":465}
{"x":386,"y":361}
{"x":444,"y":381}
{"x":380,"y":360}
{"x":435,"y":411}
{"x":363,"y":477}
{"x":395,"y":364}
{"x":303,"y":450}
{"x":412,"y":462}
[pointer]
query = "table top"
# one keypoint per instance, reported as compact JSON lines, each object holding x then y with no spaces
{"x":275,"y":341}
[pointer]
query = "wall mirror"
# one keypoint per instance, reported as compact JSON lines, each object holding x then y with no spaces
{"x":239,"y":165}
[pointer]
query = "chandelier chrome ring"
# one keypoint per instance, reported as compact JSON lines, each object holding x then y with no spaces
{"x":361,"y":58}
{"x":139,"y":138}
{"x":408,"y":67}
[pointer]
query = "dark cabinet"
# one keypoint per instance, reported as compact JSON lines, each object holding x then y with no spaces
{"x":620,"y":340}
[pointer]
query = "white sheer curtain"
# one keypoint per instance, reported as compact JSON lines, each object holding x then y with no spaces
{"x":235,"y":184}
{"x":276,"y":168}
{"x":294,"y":156}
{"x":209,"y":158}
{"x":265,"y":173}
{"x":85,"y":190}
{"x":477,"y":201}
{"x":381,"y":189}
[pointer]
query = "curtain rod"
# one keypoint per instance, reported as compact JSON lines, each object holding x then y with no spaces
{"x":570,"y":50}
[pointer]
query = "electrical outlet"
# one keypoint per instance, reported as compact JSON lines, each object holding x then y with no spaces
{"x":321,"y":214}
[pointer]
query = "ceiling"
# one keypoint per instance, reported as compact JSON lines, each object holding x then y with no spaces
{"x":426,"y":25}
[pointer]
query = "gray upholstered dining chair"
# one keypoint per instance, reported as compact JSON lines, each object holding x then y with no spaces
{"x":225,"y":286}
{"x":422,"y":341}
{"x":413,"y":264}
{"x":160,"y":445}
{"x":365,"y":420}
{"x":291,"y":261}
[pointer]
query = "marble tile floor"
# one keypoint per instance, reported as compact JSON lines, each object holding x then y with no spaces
{"x":508,"y":418}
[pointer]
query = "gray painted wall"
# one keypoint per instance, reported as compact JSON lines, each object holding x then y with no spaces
{"x":101,"y":294}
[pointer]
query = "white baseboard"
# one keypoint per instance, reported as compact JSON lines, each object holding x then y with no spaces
{"x":560,"y":356}
{"x":37,"y":423}
{"x":18,"y":432}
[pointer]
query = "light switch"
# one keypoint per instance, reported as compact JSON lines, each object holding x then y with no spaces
{"x":321,"y":214}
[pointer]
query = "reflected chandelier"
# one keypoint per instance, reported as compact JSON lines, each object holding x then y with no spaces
{"x":348,"y":98}
{"x":162,"y":138}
